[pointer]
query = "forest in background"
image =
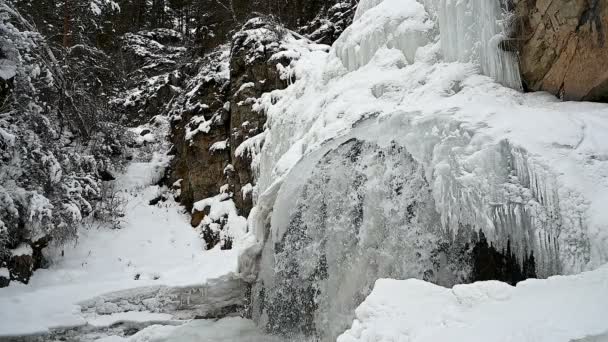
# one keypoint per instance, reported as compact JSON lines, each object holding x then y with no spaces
{"x":67,"y":71}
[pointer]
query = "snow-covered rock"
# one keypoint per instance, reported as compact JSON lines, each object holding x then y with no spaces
{"x":558,"y":309}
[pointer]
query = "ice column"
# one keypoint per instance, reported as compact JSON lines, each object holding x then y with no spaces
{"x":472,"y":31}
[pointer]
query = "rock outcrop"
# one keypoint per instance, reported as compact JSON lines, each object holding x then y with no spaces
{"x":149,"y":60}
{"x":255,"y":66}
{"x":563,"y":47}
{"x":215,"y":115}
{"x":216,"y":125}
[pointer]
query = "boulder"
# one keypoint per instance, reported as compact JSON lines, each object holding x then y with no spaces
{"x":5,"y":277}
{"x":21,"y":267}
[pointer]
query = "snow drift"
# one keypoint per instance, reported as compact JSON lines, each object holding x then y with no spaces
{"x":554,"y":310}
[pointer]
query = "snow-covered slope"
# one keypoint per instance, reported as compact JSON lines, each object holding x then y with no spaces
{"x":141,"y":272}
{"x":558,"y":309}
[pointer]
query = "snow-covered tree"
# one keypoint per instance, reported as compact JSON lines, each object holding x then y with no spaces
{"x":55,"y":136}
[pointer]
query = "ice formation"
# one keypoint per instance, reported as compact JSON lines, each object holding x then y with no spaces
{"x":478,"y":31}
{"x":471,"y":31}
{"x":403,"y":25}
{"x":394,"y":82}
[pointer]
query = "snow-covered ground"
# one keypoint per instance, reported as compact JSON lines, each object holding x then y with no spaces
{"x":558,"y":309}
{"x":156,"y":249}
{"x":233,"y":329}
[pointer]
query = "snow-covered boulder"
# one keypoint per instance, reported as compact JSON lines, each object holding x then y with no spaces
{"x":558,"y":309}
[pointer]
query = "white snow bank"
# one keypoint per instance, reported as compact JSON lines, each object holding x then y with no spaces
{"x":219,"y":146}
{"x":562,"y":308}
{"x":22,"y":249}
{"x":233,"y":329}
{"x":140,"y":175}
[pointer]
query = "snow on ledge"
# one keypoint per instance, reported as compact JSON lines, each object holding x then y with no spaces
{"x":8,"y":69}
{"x":561,"y":308}
{"x":22,"y":249}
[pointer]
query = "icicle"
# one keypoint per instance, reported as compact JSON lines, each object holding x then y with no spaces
{"x":472,"y":31}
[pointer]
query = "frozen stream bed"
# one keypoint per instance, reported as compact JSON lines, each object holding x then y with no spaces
{"x":225,"y":330}
{"x":153,"y":270}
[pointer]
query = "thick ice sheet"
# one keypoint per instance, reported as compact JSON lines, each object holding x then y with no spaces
{"x":558,"y":309}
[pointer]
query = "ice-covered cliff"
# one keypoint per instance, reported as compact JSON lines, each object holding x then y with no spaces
{"x":389,"y":154}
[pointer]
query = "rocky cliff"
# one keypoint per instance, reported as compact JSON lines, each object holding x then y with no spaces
{"x":217,"y":125}
{"x":563,"y":47}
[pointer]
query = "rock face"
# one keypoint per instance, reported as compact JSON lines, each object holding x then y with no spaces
{"x":200,"y":169}
{"x":216,"y":114}
{"x":22,"y":267}
{"x":216,"y":125}
{"x":149,"y":60}
{"x":563,"y":47}
{"x":253,"y":71}
{"x":327,"y":26}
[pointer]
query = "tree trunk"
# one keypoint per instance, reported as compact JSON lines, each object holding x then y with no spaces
{"x":67,"y":30}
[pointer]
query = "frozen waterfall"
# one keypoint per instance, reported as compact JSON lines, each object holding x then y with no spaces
{"x":475,"y":31}
{"x":392,"y":153}
{"x":470,"y":31}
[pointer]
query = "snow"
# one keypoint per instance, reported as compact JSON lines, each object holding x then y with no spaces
{"x":4,"y":272}
{"x":561,"y":308}
{"x":202,"y":125}
{"x":96,"y":6}
{"x":246,"y":190}
{"x":219,"y":146}
{"x":8,"y":69}
{"x":7,"y":138}
{"x":23,"y":249}
{"x":156,"y":252}
{"x":421,"y":75}
{"x":219,"y":207}
{"x":224,"y":330}
{"x":245,"y":86}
